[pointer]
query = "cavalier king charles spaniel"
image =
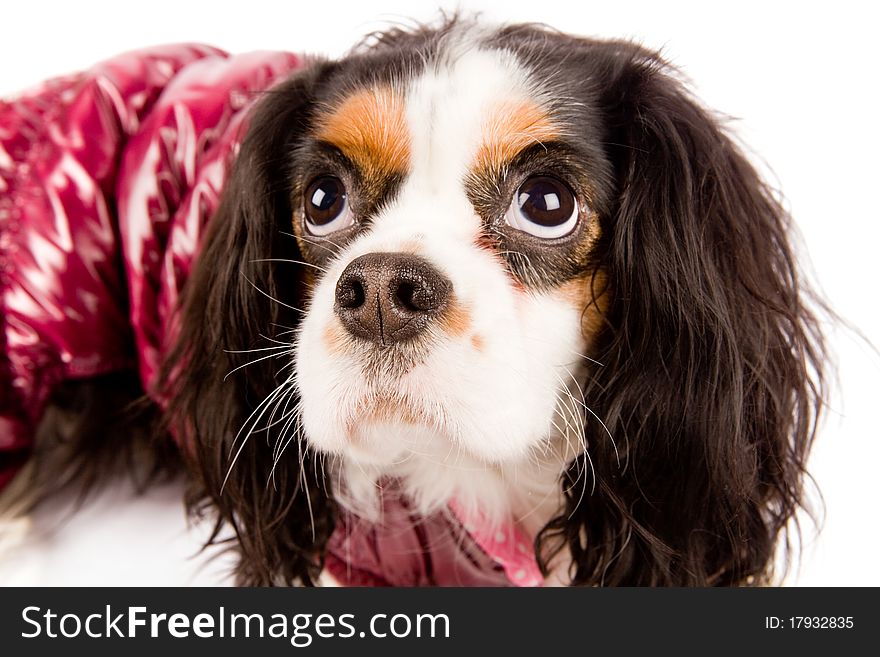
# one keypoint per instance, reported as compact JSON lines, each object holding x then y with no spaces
{"x":509,"y":277}
{"x":513,"y":273}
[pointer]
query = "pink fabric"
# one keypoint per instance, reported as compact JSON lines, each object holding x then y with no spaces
{"x":506,"y":544}
{"x":62,"y":293}
{"x":405,"y":549}
{"x":107,"y":181}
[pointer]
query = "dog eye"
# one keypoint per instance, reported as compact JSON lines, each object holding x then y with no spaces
{"x":543,"y":206}
{"x":326,"y":206}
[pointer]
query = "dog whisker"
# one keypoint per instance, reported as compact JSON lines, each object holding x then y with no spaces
{"x":315,"y":242}
{"x":293,"y":421}
{"x":264,"y":405}
{"x":583,"y":403}
{"x":257,"y":360}
{"x":306,"y":487}
{"x":292,"y":262}
{"x":253,"y":351}
{"x":270,"y":297}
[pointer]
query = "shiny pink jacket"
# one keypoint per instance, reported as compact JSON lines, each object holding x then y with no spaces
{"x":107,"y":181}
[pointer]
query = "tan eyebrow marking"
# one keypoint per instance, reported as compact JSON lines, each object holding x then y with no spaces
{"x":370,"y":128}
{"x":512,"y":127}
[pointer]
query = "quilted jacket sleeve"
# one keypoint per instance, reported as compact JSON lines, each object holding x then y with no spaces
{"x":171,"y":176}
{"x":107,"y":179}
{"x":62,"y":290}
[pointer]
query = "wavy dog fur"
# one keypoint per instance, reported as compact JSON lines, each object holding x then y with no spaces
{"x":713,"y":364}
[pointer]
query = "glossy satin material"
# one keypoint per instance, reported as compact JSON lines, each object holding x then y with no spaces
{"x":107,"y":181}
{"x":407,"y":549}
{"x":107,"y":178}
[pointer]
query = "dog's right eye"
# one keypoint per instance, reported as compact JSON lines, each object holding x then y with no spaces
{"x":543,"y":206}
{"x":326,"y":206}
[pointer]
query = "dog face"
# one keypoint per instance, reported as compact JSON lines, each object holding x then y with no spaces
{"x":527,"y":273}
{"x":450,"y":212}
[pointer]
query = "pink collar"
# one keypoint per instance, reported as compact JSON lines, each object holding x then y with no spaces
{"x":507,"y":545}
{"x":443,"y":549}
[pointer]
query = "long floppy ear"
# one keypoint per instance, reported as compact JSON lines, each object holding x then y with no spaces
{"x":239,"y":426}
{"x":711,"y":379}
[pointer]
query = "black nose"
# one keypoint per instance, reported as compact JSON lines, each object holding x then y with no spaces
{"x":390,"y":297}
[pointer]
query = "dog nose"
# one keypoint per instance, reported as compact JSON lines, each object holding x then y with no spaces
{"x":390,"y":297}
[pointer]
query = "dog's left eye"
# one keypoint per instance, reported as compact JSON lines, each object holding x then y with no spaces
{"x":326,"y":206}
{"x":543,"y":206}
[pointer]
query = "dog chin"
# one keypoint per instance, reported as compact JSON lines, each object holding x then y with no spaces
{"x":382,"y":438}
{"x":383,"y":444}
{"x":431,"y":470}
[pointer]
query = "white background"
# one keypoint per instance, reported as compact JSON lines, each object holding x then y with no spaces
{"x":799,"y":77}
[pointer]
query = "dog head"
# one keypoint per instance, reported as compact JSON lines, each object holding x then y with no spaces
{"x":497,"y":264}
{"x":448,"y":205}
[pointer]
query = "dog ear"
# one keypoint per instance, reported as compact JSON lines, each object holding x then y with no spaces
{"x":239,"y":423}
{"x":711,"y":378}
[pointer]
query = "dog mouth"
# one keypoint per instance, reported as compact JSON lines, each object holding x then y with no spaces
{"x":389,"y":428}
{"x":386,"y":409}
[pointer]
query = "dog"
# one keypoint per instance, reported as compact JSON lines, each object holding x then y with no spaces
{"x":504,"y":302}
